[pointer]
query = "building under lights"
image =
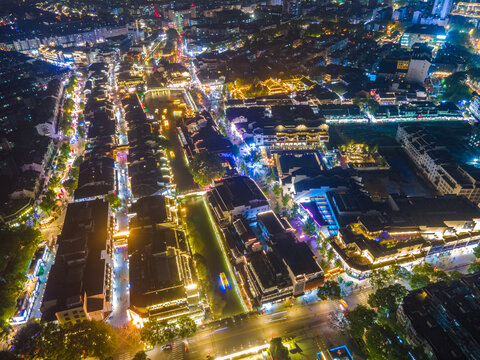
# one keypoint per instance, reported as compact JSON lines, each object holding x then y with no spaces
{"x":163,"y":282}
{"x":280,"y":127}
{"x":401,"y":230}
{"x":79,"y":285}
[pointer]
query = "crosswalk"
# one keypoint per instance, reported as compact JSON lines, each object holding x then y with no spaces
{"x":125,"y":356}
{"x":178,"y":350}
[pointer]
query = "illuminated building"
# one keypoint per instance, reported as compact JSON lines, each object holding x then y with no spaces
{"x":237,"y":196}
{"x":163,"y":282}
{"x":79,"y":286}
{"x":444,"y":173}
{"x":442,"y":318}
{"x":280,"y":127}
{"x":432,"y":35}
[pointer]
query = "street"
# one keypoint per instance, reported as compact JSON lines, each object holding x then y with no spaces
{"x":309,"y":324}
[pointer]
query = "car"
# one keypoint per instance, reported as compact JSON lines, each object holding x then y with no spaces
{"x":167,"y":347}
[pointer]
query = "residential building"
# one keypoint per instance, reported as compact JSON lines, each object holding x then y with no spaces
{"x":436,"y":163}
{"x":443,"y":318}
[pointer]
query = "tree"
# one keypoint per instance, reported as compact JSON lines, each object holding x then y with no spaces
{"x":455,"y":88}
{"x":277,"y":350}
{"x":388,"y":298}
{"x":92,"y":338}
{"x":206,"y":167}
{"x":277,"y":190}
{"x":476,"y":251}
{"x":151,"y":333}
{"x":141,"y":356}
{"x":360,"y":319}
{"x":65,"y":122}
{"x":70,"y":185}
{"x":186,"y":327}
{"x":48,"y":201}
{"x":474,"y":267}
{"x":418,"y":281}
{"x":381,"y":278}
{"x":53,"y":182}
{"x":28,"y":341}
{"x":114,"y":201}
{"x":285,"y":200}
{"x":70,"y":341}
{"x":330,"y":290}
{"x":65,"y":151}
{"x":456,"y":275}
{"x":383,"y":343}
{"x":68,"y":105}
{"x":309,"y":227}
{"x":399,"y":272}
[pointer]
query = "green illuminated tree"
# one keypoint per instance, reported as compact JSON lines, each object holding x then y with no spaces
{"x":418,"y":281}
{"x":476,"y":251}
{"x":278,"y":351}
{"x":388,"y":298}
{"x":114,"y":201}
{"x":474,"y":267}
{"x":48,"y":201}
{"x":360,"y":319}
{"x":152,"y":333}
{"x":68,"y":105}
{"x":309,"y":227}
{"x":206,"y":167}
{"x":381,"y":278}
{"x":186,"y":327}
{"x":329,"y":291}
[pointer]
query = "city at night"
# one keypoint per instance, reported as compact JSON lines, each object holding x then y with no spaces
{"x":239,"y":180}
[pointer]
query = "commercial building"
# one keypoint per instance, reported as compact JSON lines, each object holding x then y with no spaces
{"x":436,"y":163}
{"x":147,"y":164}
{"x":279,"y":127}
{"x":419,"y":110}
{"x":475,"y":107}
{"x":79,"y":285}
{"x":199,"y":133}
{"x":163,"y":282}
{"x":237,"y":196}
{"x":432,"y":35}
{"x":304,"y":272}
{"x":96,"y":178}
{"x":400,"y":230}
{"x":443,"y":318}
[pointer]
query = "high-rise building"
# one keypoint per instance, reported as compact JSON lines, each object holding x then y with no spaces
{"x":292,"y":7}
{"x":442,"y":8}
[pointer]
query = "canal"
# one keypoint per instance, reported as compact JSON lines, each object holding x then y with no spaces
{"x":209,"y":258}
{"x":156,"y":103}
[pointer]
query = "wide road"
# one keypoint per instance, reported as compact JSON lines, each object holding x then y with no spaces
{"x":309,"y":324}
